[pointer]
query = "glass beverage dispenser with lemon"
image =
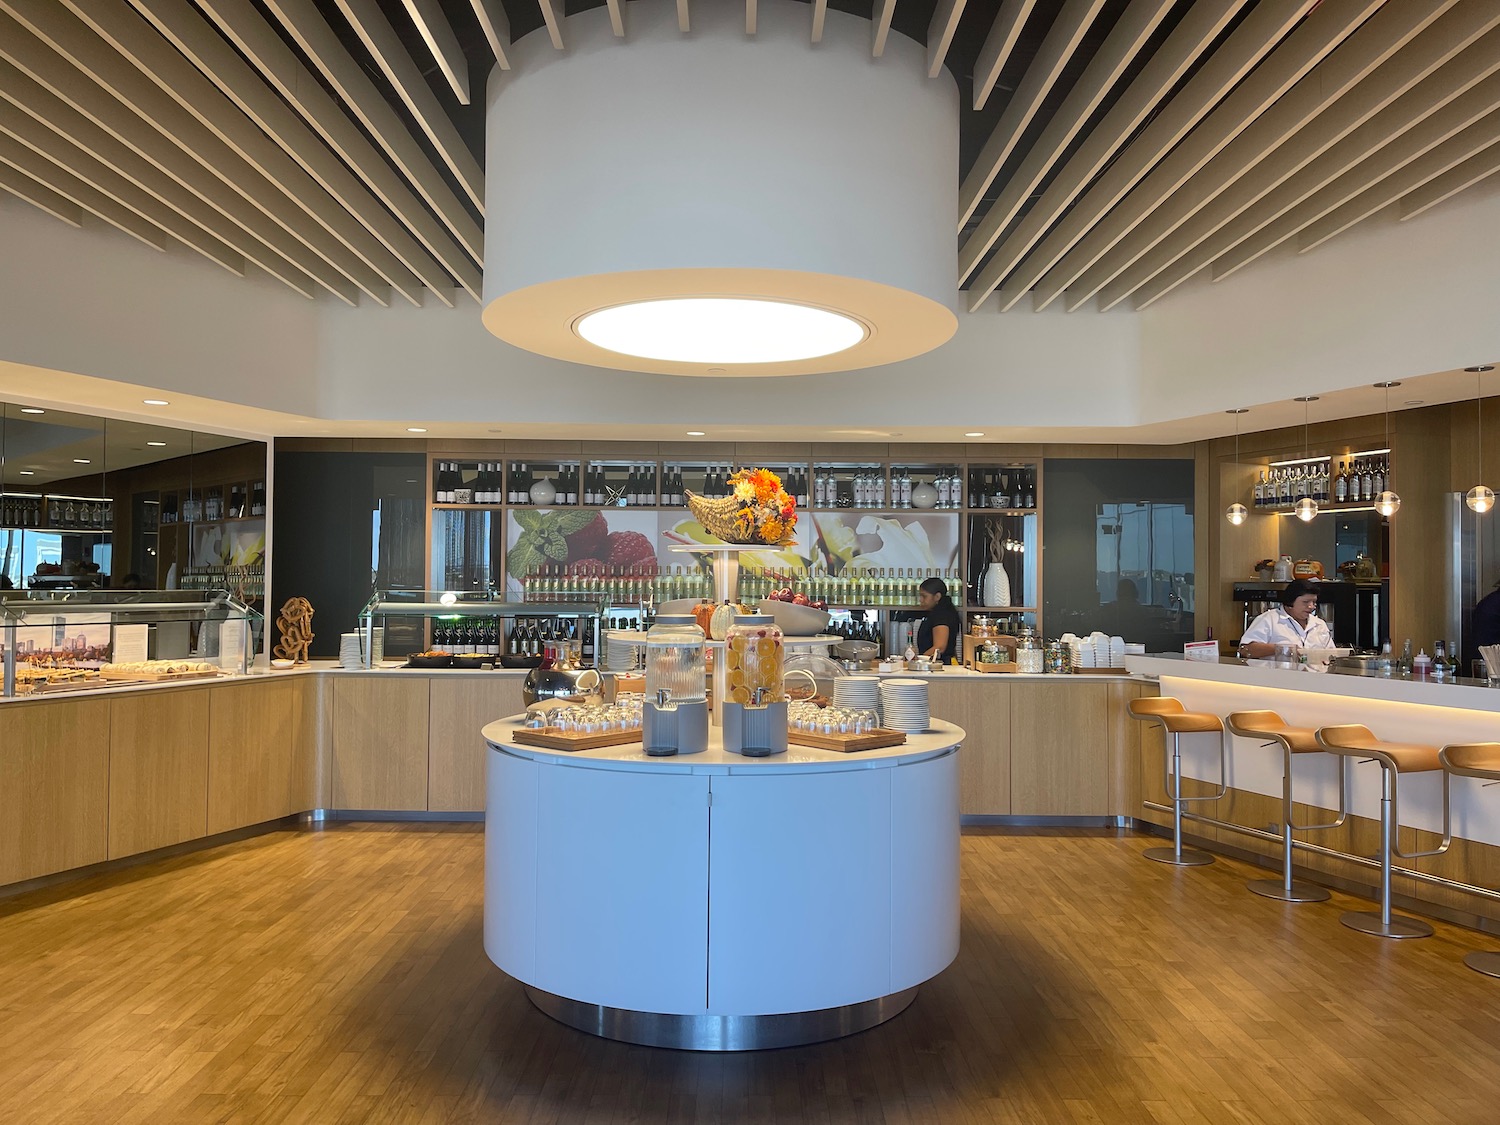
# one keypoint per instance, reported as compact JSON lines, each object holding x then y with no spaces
{"x":755,"y":705}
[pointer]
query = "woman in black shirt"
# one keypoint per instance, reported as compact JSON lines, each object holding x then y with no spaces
{"x":938,"y":634}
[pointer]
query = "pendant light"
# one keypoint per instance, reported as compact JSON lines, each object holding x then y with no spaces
{"x":1480,"y":498}
{"x":1236,"y":512}
{"x":1306,"y":508}
{"x":1387,"y":503}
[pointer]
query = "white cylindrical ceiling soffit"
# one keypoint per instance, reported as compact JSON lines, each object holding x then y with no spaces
{"x":720,"y":164}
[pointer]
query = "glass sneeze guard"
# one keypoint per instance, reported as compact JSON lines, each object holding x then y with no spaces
{"x":384,"y":604}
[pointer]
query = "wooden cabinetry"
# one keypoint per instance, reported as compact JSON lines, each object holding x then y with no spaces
{"x":456,"y":753}
{"x":1060,"y":749}
{"x":158,"y":770}
{"x":258,"y":769}
{"x":54,"y":787}
{"x":379,"y":745}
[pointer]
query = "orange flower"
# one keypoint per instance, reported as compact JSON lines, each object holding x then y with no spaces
{"x":772,"y":530}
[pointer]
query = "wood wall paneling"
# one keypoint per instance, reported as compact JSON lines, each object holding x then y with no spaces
{"x":379,"y":744}
{"x":54,"y":787}
{"x":255,"y":765}
{"x":983,"y":710}
{"x":158,"y":769}
{"x":1059,"y":736}
{"x":460,"y":707}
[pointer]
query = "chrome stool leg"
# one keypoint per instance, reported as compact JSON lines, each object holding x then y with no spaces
{"x":1286,"y":889}
{"x":1177,"y":855}
{"x":1382,"y":923}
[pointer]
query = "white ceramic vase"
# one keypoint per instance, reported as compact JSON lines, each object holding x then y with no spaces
{"x":994,"y":587}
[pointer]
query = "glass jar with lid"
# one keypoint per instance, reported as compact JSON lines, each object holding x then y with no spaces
{"x":1030,"y":656}
{"x":1059,"y":657}
{"x":675,"y":659}
{"x":754,"y":660}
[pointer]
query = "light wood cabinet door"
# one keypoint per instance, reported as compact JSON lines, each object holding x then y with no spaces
{"x":1059,"y":739}
{"x":379,"y":743}
{"x":158,"y":769}
{"x":256,"y":769}
{"x":983,"y":710}
{"x":54,"y":787}
{"x":460,"y":707}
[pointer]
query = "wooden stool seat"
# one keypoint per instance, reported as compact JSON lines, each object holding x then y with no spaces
{"x":1176,"y":720}
{"x":1275,"y":731}
{"x":1480,"y":760}
{"x":1395,"y":759}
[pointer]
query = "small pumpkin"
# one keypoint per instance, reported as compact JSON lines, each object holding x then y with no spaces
{"x":722,"y":619}
{"x":703,"y":614}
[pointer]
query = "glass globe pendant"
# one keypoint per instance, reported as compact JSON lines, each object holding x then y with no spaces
{"x":1479,"y":499}
{"x":1387,"y":503}
{"x":1306,"y":509}
{"x":1236,"y":514}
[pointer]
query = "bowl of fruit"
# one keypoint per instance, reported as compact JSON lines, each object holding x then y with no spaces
{"x":796,"y":615}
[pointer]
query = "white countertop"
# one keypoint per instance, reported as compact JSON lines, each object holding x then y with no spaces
{"x":943,"y":738}
{"x":1469,"y":696}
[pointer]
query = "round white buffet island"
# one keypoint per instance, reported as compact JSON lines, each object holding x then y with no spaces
{"x":719,"y":902}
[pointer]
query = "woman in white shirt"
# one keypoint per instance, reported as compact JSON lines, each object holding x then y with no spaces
{"x":1295,"y":622}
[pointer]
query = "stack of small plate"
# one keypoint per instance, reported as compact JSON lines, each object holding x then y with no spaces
{"x":903,"y":705}
{"x":351,"y":654}
{"x":857,"y":693}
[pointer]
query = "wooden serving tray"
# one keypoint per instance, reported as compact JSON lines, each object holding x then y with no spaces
{"x":847,"y":743}
{"x":109,"y":673}
{"x":1100,"y":672}
{"x":553,"y":739}
{"x":983,"y":666}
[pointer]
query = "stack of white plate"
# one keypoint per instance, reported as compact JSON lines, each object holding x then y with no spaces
{"x":378,"y":645}
{"x":351,"y":654}
{"x":619,"y":654}
{"x":903,"y":705}
{"x":857,"y":693}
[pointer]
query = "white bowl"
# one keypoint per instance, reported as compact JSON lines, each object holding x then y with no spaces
{"x":796,"y":620}
{"x":282,"y":664}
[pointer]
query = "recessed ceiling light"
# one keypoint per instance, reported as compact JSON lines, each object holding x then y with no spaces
{"x":713,"y":330}
{"x":156,"y":402}
{"x":695,"y":433}
{"x":28,"y":472}
{"x":974,"y":433}
{"x":1480,"y":368}
{"x":82,"y":461}
{"x":32,"y":410}
{"x":1413,"y":402}
{"x":157,"y":444}
{"x":416,"y":429}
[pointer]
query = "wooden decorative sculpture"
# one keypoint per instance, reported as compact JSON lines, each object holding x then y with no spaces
{"x":295,"y":623}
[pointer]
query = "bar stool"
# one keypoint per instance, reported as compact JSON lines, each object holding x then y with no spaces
{"x":1177,"y":721}
{"x":1394,"y":759}
{"x":1292,"y":740}
{"x":1481,"y":760}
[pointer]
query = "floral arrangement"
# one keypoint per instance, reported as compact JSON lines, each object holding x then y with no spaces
{"x":757,"y":510}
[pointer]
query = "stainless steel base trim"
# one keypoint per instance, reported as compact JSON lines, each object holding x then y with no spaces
{"x":1318,"y":849}
{"x":399,"y":816}
{"x":1275,"y":888}
{"x":986,"y":820}
{"x":720,"y":1033}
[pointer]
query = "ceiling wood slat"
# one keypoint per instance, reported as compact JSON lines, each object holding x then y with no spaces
{"x":90,"y":198}
{"x":67,"y":155}
{"x":998,"y":45}
{"x":551,"y":16}
{"x":1323,"y":30}
{"x":187,"y":189}
{"x":39,"y":195}
{"x":1450,"y":183}
{"x":437,"y":33}
{"x":683,"y":19}
{"x":1443,"y":62}
{"x":1125,"y":39}
{"x":186,"y":30}
{"x":118,"y":106}
{"x":1378,"y":156}
{"x":617,"y":18}
{"x":885,"y":11}
{"x":495,"y":25}
{"x":358,"y":92}
{"x":819,"y":17}
{"x":752,"y":16}
{"x":1268,"y":22}
{"x":1410,"y":176}
{"x":1062,"y":40}
{"x":940,"y":32}
{"x":1314,"y":114}
{"x":386,"y":48}
{"x":1200,"y":26}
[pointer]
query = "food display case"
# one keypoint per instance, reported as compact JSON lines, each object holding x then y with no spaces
{"x":70,"y":640}
{"x":440,"y":605}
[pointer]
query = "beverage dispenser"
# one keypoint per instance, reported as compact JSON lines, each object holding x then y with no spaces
{"x":755,"y":704}
{"x":675,"y":717}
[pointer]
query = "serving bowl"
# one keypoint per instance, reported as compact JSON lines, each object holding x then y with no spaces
{"x":418,"y":660}
{"x":795,"y":620}
{"x":518,"y":660}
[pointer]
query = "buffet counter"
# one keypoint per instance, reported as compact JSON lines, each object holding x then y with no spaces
{"x":92,"y":776}
{"x":1421,"y":711}
{"x":717,"y":902}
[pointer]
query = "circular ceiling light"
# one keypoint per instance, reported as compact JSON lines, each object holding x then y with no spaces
{"x":416,"y":429}
{"x":696,"y":433}
{"x":715,"y":330}
{"x":32,"y":410}
{"x":81,"y":461}
{"x":28,"y":472}
{"x":157,"y":444}
{"x":156,"y":402}
{"x":975,"y":433}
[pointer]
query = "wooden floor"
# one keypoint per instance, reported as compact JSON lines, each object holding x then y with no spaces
{"x":338,"y":976}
